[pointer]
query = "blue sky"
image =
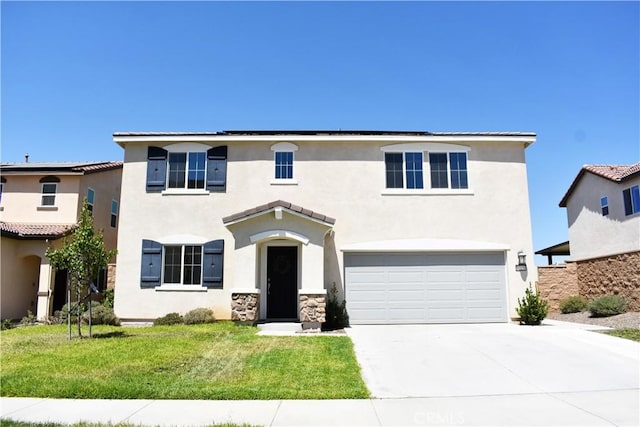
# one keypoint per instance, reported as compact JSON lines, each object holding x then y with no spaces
{"x":75,"y":72}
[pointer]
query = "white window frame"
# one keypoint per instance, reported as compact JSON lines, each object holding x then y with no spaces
{"x":114,"y":214}
{"x":604,"y":205}
{"x":284,"y":147}
{"x":53,"y":195}
{"x":186,"y":147}
{"x":186,"y":172}
{"x":91,"y":204}
{"x":404,"y":171}
{"x":425,"y":148}
{"x":181,"y":285}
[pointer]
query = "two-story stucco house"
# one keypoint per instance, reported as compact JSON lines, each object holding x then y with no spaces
{"x":603,"y":213}
{"x":39,"y":204}
{"x":411,"y":227}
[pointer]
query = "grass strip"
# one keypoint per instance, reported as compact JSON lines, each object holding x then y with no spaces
{"x":215,"y":361}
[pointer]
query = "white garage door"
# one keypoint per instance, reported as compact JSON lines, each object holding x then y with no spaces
{"x":425,"y":288}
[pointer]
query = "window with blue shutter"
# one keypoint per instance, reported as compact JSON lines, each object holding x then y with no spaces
{"x":217,"y":169}
{"x":212,"y":264}
{"x":151,"y":267}
{"x":156,"y":168}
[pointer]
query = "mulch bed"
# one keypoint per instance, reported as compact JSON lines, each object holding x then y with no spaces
{"x":621,"y":321}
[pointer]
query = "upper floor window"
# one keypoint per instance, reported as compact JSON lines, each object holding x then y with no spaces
{"x":631,"y":197}
{"x":404,"y":165}
{"x":49,"y":190}
{"x":186,"y":166}
{"x":114,"y":213}
{"x":448,"y":170}
{"x":187,"y":170}
{"x":604,"y":205}
{"x":49,"y":194}
{"x":416,"y":166}
{"x":91,"y":195}
{"x":284,"y":164}
{"x":1,"y":190}
{"x":283,"y":155}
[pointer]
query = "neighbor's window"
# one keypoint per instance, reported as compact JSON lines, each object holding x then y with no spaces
{"x":114,"y":213}
{"x":49,"y":194}
{"x":91,"y":194}
{"x":631,"y":197}
{"x":187,"y":170}
{"x":183,"y":264}
{"x":604,"y":205}
{"x":448,"y":165}
{"x":284,"y":164}
{"x":404,"y":165}
{"x":1,"y":190}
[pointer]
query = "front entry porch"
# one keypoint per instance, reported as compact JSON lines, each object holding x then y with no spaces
{"x":285,"y":246}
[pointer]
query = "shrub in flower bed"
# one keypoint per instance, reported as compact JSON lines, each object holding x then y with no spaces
{"x":573,"y":304}
{"x":608,"y":305}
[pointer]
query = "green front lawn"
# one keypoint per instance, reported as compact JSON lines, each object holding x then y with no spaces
{"x":630,"y":334}
{"x":215,"y":361}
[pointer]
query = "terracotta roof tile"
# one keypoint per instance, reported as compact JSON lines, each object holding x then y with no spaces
{"x":613,"y":172}
{"x":34,"y":231}
{"x":278,"y":203}
{"x":616,"y":173}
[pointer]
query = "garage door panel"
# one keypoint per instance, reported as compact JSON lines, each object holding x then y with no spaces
{"x":425,"y":288}
{"x":444,"y":295}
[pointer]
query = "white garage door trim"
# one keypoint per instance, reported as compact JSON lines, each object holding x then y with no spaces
{"x":426,"y":287}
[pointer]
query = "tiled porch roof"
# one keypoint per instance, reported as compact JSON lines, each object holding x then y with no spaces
{"x":615,"y":173}
{"x":35,"y":231}
{"x":278,"y":203}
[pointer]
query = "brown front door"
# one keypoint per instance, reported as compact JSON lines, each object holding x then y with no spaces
{"x":282,"y":282}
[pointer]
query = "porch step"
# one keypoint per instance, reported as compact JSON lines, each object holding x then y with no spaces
{"x":279,"y":328}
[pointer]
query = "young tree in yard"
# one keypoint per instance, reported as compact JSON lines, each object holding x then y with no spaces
{"x":83,"y":255}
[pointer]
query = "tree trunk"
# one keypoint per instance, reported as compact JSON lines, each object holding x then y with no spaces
{"x":79,"y":313}
{"x":68,"y":304}
{"x":89,"y":296}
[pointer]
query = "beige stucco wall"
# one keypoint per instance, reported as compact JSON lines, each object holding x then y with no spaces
{"x":344,"y":180}
{"x":593,"y":235}
{"x":21,"y":277}
{"x":22,"y":199}
{"x":107,"y":187}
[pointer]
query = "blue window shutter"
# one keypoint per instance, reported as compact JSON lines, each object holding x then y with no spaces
{"x":212,"y":264}
{"x":151,"y":267}
{"x":156,"y":168}
{"x":217,"y":169}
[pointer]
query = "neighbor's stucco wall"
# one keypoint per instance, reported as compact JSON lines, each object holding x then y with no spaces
{"x":593,"y":235}
{"x":107,"y":187}
{"x":20,"y":276}
{"x":344,"y":180}
{"x":22,"y":200}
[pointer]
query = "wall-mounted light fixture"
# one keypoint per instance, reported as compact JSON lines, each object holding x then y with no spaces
{"x":522,"y":262}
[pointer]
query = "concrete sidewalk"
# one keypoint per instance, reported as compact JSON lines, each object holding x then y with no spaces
{"x":597,"y":408}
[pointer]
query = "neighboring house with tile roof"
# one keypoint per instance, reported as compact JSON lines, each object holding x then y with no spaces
{"x":40,"y":203}
{"x":603,"y":211}
{"x":412,"y":227}
{"x":603,"y":214}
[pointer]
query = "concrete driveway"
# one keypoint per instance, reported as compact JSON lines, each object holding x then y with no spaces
{"x":580,"y":376}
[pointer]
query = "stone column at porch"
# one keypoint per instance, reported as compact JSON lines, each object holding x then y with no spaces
{"x":313,"y":305}
{"x":245,"y":306}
